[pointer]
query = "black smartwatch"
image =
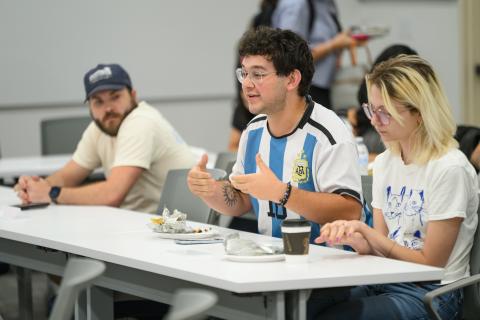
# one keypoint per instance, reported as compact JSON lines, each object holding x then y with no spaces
{"x":54,"y":193}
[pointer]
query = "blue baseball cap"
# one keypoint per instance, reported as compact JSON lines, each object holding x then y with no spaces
{"x":105,"y":77}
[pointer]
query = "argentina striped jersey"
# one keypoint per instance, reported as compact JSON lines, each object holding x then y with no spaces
{"x":320,"y":155}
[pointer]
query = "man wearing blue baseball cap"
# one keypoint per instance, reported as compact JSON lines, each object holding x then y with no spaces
{"x":133,"y":142}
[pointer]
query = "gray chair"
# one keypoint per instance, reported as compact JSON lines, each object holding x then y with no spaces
{"x":61,"y":136}
{"x":224,"y":159}
{"x":367,"y":190}
{"x":79,"y":275}
{"x":176,"y":195}
{"x":191,"y":304}
{"x":471,"y":285}
{"x":228,"y":169}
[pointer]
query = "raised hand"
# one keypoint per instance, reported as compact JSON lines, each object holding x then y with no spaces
{"x":343,"y":40}
{"x":263,"y":185}
{"x":199,"y":180}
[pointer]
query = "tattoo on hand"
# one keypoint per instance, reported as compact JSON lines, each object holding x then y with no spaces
{"x":230,"y":194}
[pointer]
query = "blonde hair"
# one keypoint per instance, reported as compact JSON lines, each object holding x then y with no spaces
{"x":411,"y":81}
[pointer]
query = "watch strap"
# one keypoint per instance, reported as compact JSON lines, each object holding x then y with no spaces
{"x":54,"y":193}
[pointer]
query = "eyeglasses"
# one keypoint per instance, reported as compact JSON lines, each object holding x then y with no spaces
{"x":255,"y":76}
{"x":382,"y":116}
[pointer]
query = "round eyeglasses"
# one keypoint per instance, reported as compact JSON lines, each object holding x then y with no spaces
{"x":382,"y":115}
{"x":255,"y":76}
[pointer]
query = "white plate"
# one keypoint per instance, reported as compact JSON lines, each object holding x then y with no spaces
{"x":263,"y":258}
{"x":187,"y":236}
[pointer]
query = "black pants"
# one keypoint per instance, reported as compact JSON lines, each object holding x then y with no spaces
{"x":321,"y":96}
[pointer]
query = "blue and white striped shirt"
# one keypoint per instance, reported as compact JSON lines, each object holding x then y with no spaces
{"x":320,"y":155}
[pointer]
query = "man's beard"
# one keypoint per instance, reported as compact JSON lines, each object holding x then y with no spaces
{"x":113,"y":131}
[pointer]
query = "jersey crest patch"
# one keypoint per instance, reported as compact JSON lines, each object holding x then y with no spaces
{"x":300,"y":172}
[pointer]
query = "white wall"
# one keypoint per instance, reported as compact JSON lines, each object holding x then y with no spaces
{"x":205,"y":124}
{"x":169,"y":47}
{"x":180,"y":55}
{"x":431,"y":27}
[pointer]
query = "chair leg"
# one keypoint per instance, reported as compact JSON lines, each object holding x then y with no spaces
{"x":25,"y":301}
{"x":99,"y":303}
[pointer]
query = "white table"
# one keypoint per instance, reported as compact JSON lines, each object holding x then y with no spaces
{"x":37,"y":165}
{"x":142,"y":264}
{"x":11,"y":168}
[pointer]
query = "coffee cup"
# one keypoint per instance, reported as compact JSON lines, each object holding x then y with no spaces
{"x":296,"y":239}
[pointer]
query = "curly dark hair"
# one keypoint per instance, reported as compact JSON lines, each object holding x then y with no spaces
{"x":284,"y":48}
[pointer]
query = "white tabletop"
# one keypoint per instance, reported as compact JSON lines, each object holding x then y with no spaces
{"x":46,"y":165}
{"x":7,"y":196}
{"x":122,"y":237}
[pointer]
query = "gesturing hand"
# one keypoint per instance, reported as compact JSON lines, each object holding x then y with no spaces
{"x":199,"y":180}
{"x":263,"y":185}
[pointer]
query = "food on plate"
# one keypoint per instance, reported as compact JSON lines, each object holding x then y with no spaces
{"x":157,"y":220}
{"x":200,"y":230}
{"x":170,"y":222}
{"x":175,"y":222}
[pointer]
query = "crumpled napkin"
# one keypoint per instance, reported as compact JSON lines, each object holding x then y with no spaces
{"x":246,"y":247}
{"x":175,"y":222}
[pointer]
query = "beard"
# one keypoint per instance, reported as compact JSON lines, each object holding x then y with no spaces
{"x":112,"y":130}
{"x":270,"y":107}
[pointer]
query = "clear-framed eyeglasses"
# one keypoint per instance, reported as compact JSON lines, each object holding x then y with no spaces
{"x":382,"y":115}
{"x":255,"y":76}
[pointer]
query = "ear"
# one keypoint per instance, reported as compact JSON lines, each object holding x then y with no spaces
{"x":419,"y":119}
{"x":134,"y":94}
{"x":294,"y":79}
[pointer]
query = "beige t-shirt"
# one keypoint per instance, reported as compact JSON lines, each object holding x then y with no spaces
{"x":146,"y":140}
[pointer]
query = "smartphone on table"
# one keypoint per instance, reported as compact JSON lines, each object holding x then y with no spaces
{"x":33,"y":205}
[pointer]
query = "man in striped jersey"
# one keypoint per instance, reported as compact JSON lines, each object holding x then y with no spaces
{"x":296,"y":158}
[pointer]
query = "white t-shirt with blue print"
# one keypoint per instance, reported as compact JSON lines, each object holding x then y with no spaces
{"x":410,"y":196}
{"x":320,"y":155}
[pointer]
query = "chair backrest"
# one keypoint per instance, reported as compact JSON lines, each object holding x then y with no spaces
{"x":176,"y":195}
{"x":471,"y":303}
{"x":468,"y":138}
{"x":191,"y":304}
{"x":224,"y":159}
{"x":61,"y":136}
{"x":79,"y":274}
{"x":229,"y":167}
{"x":367,"y":190}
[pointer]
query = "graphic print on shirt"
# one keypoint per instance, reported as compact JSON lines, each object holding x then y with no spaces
{"x":405,"y":216}
{"x":300,"y":172}
{"x":394,"y":203}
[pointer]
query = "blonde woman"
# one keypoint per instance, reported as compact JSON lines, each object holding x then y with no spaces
{"x":424,"y":198}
